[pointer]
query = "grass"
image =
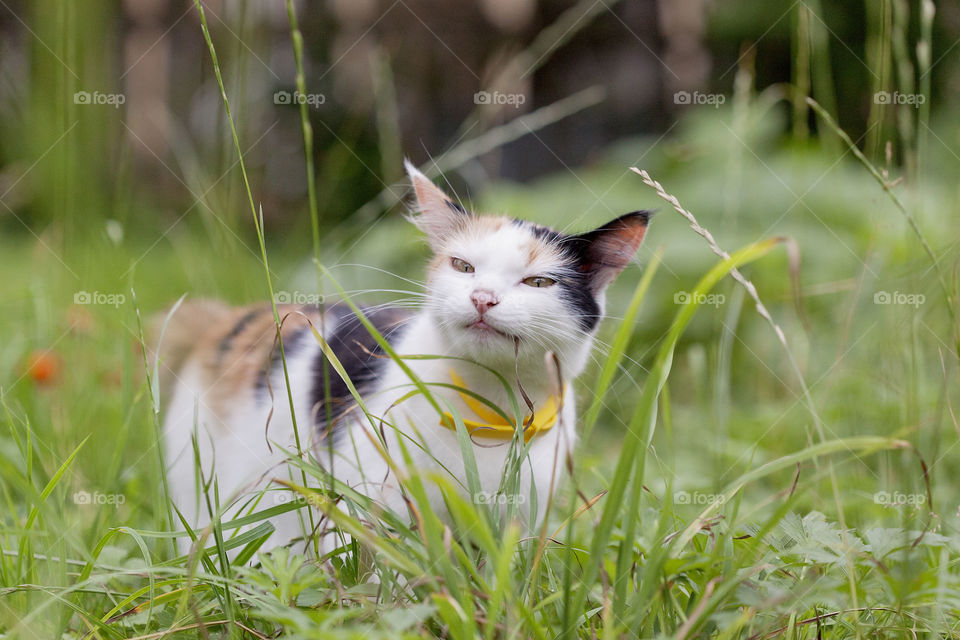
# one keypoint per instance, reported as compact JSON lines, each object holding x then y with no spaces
{"x":730,"y":482}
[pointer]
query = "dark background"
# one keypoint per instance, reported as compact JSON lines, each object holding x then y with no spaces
{"x":398,"y":78}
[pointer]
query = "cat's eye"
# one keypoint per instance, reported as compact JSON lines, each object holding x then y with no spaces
{"x":539,"y":281}
{"x":461,"y":265}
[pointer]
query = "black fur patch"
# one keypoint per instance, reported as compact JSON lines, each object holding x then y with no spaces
{"x":359,"y":353}
{"x":575,"y":281}
{"x":577,"y":293}
{"x":541,"y":233}
{"x":228,"y":339}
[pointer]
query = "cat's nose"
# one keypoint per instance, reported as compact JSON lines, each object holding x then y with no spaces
{"x":483,"y":299}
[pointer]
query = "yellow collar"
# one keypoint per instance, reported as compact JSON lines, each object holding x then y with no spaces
{"x":496,"y":426}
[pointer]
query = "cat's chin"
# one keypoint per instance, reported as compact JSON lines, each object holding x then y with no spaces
{"x":479,"y":341}
{"x":484,"y":331}
{"x":486,"y":342}
{"x":495,"y":347}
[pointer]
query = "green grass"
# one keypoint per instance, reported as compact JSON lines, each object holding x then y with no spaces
{"x":737,"y":488}
{"x":736,"y":534}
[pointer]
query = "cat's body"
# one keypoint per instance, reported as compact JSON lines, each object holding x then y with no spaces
{"x":509,"y":296}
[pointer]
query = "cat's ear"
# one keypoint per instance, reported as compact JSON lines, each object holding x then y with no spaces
{"x":605,"y":251}
{"x":436,"y":214}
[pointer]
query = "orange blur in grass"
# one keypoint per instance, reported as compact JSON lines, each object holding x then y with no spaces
{"x":43,"y":367}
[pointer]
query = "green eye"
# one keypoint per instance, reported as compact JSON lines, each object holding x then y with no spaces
{"x":539,"y":281}
{"x":461,"y":265}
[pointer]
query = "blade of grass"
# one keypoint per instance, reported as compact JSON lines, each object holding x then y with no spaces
{"x":258,"y":224}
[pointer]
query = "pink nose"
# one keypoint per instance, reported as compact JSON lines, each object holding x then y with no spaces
{"x":483,"y":299}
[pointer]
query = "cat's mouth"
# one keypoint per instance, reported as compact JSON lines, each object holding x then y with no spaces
{"x":485,"y":328}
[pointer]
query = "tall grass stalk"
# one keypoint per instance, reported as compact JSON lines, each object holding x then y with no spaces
{"x":297,"y":38}
{"x":879,"y":17}
{"x":801,"y":71}
{"x":949,"y":297}
{"x":821,"y":76}
{"x":924,"y":69}
{"x":258,"y":224}
{"x":905,"y":73}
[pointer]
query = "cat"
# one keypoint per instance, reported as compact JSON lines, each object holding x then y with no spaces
{"x":503,"y":297}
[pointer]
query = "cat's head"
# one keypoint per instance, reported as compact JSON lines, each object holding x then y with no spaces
{"x":494,"y":278}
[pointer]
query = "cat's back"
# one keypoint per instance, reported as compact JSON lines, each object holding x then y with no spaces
{"x":231,"y":356}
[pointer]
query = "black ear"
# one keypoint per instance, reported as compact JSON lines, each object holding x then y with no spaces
{"x":437,"y":215}
{"x":605,"y":251}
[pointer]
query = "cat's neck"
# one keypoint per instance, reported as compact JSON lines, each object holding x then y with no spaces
{"x":530,"y":374}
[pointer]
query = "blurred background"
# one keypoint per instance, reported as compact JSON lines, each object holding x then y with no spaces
{"x":120,"y":191}
{"x":417,"y":78}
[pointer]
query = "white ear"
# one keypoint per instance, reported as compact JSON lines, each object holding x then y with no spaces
{"x":437,"y":215}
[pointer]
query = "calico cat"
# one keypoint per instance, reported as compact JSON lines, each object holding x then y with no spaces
{"x":503,"y":296}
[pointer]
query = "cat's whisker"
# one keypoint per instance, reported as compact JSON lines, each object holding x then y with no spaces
{"x":604,"y":351}
{"x":554,"y":328}
{"x":413,"y":303}
{"x":360,"y":292}
{"x":385,"y":271}
{"x":552,"y":325}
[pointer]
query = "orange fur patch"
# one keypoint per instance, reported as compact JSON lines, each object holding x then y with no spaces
{"x":487,"y":224}
{"x":232,"y":346}
{"x":539,"y":249}
{"x":436,"y":263}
